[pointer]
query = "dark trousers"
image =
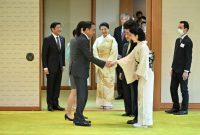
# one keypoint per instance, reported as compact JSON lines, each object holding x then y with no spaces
{"x":134,"y":93}
{"x":130,"y":97}
{"x":119,"y":82}
{"x":53,"y":88}
{"x":82,"y":95}
{"x":177,"y":79}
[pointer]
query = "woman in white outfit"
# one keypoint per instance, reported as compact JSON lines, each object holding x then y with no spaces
{"x":136,"y":67}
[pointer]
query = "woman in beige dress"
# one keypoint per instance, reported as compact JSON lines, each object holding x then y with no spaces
{"x":136,"y":67}
{"x":105,"y":48}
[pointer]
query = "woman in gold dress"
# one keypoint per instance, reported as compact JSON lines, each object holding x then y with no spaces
{"x":105,"y":48}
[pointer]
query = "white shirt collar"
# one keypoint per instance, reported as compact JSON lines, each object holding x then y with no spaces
{"x":182,"y":37}
{"x":122,"y":29}
{"x":86,"y":35}
{"x":55,"y":35}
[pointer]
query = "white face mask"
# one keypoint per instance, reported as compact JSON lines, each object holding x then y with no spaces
{"x":180,"y":31}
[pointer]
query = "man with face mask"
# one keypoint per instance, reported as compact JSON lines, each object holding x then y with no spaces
{"x":180,"y":70}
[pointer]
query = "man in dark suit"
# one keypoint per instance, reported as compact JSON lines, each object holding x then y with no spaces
{"x":119,"y":35}
{"x":180,"y":70}
{"x":53,"y":59}
{"x":129,"y":90}
{"x":79,"y":68}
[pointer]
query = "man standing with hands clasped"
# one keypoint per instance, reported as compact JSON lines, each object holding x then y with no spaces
{"x":180,"y":70}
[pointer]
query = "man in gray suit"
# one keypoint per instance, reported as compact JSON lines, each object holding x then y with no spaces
{"x":79,"y":68}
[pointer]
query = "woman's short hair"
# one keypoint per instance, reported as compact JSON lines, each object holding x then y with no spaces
{"x":138,"y":31}
{"x":104,"y":24}
{"x":135,"y":29}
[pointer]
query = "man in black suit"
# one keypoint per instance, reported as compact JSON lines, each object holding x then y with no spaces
{"x":53,"y":59}
{"x":119,"y":35}
{"x":79,"y":68}
{"x":129,"y":90}
{"x":180,"y":70}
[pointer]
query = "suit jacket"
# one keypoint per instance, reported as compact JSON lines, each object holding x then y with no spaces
{"x":124,"y":53}
{"x":182,"y":55}
{"x":52,"y":57}
{"x":81,"y":56}
{"x":118,"y":38}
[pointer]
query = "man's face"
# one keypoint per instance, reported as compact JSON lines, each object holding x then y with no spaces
{"x":139,"y":15}
{"x":90,"y":32}
{"x":57,"y":29}
{"x":181,"y":26}
{"x":123,"y":19}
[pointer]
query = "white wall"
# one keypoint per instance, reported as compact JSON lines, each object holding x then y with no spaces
{"x":69,"y":13}
{"x":173,"y":12}
{"x":107,"y":11}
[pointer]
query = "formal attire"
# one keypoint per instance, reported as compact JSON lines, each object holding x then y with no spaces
{"x":181,"y":62}
{"x":81,"y":57}
{"x":105,"y":48}
{"x":119,"y":35}
{"x":138,"y":61}
{"x":53,"y":59}
{"x":129,"y":90}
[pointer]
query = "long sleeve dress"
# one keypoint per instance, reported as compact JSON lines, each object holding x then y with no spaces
{"x":105,"y":48}
{"x":137,"y":63}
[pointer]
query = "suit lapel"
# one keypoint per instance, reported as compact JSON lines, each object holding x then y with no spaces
{"x":54,"y":42}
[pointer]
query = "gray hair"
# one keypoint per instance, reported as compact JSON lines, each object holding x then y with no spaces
{"x":125,"y":15}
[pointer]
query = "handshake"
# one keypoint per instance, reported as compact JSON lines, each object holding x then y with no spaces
{"x":110,"y":63}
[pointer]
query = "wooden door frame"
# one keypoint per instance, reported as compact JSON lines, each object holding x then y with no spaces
{"x":154,"y":38}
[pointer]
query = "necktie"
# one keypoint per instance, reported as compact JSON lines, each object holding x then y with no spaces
{"x":123,"y":34}
{"x":129,"y":46}
{"x":58,"y":42}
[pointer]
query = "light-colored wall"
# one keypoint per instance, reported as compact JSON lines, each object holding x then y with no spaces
{"x":107,"y":11}
{"x":69,"y":13}
{"x":171,"y":15}
{"x":139,"y":5}
{"x":19,"y":78}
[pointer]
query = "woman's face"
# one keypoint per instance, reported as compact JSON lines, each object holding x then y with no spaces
{"x":104,"y":30}
{"x":131,"y":36}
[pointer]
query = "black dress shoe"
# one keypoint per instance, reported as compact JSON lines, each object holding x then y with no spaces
{"x":131,"y":115}
{"x":132,"y":121}
{"x":50,"y":108}
{"x":59,"y":108}
{"x":66,"y":117}
{"x":118,"y":98}
{"x":126,"y":114}
{"x":182,"y":112}
{"x":172,"y":111}
{"x":82,"y":123}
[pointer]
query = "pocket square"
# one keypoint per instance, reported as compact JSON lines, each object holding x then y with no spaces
{"x":182,"y":45}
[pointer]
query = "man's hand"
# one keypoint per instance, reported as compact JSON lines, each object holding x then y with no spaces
{"x":185,"y":75}
{"x":110,"y":63}
{"x":46,"y":71}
